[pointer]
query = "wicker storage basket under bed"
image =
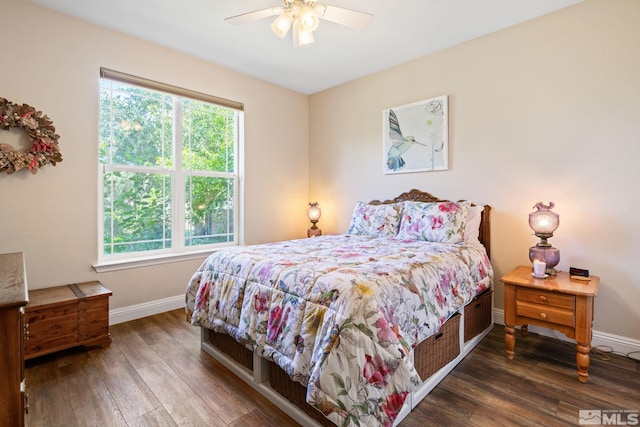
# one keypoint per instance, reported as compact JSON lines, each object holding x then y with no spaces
{"x":295,"y":392}
{"x":227,"y":345}
{"x":439,"y":349}
{"x":477,"y":315}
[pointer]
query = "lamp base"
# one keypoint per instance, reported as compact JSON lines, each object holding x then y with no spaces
{"x":314,"y":232}
{"x":548,"y":254}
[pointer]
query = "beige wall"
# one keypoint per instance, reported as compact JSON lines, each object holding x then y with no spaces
{"x":51,"y":61}
{"x":548,"y":110}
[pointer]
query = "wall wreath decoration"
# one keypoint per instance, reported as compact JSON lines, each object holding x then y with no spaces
{"x":39,"y":128}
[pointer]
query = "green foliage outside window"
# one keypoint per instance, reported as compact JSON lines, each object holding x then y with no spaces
{"x":140,"y":130}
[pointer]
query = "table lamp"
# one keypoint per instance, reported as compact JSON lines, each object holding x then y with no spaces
{"x":314,"y":212}
{"x":544,"y":222}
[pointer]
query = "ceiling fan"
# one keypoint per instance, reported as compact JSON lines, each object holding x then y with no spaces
{"x":304,"y":16}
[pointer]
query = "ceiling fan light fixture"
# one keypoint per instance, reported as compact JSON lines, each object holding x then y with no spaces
{"x":309,"y":19}
{"x":319,"y":10}
{"x":304,"y":17}
{"x":301,"y":36}
{"x":281,"y":25}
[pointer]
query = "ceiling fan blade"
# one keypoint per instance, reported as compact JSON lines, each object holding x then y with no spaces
{"x":346,"y":17}
{"x":254,"y":16}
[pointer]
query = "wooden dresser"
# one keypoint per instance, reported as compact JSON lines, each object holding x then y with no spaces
{"x":13,"y":299}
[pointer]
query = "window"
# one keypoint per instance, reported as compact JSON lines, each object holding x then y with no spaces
{"x":169,"y":166}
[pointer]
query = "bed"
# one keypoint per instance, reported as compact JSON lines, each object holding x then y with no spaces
{"x":354,"y":328}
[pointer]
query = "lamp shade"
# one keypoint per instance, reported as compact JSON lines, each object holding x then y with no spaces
{"x":308,"y":19}
{"x":544,"y":221}
{"x":314,"y":212}
{"x":301,"y":36}
{"x":281,"y":25}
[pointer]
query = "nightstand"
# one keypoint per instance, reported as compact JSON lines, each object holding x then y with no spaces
{"x":557,"y":302}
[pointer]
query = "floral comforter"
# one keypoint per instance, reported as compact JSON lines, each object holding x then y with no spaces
{"x":339,"y":313}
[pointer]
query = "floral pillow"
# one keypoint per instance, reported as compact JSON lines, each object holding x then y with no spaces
{"x":434,"y":222}
{"x":375,"y":220}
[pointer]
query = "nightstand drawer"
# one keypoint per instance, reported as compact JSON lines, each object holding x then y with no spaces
{"x":545,"y":313}
{"x":545,"y":297}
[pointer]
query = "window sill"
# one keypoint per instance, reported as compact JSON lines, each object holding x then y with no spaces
{"x":124,"y":264}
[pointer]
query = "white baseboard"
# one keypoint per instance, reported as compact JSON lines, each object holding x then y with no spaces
{"x":138,"y":311}
{"x":618,"y":343}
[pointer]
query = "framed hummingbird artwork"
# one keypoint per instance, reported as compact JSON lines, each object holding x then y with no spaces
{"x":416,"y":137}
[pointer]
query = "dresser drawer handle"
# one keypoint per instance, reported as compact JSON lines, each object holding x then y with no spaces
{"x":543,"y":315}
{"x":543,"y":298}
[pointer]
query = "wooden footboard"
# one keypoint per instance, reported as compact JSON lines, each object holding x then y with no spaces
{"x":434,"y":358}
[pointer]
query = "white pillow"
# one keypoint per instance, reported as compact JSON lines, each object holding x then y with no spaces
{"x":472,"y":226}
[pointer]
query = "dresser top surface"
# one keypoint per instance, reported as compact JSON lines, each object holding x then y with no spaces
{"x":13,"y":282}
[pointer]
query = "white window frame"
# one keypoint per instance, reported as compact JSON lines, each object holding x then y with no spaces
{"x":178,"y":251}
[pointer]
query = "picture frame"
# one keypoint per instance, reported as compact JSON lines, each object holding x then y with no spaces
{"x":416,"y":137}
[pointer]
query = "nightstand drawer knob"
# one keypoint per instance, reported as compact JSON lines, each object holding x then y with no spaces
{"x":543,"y":298}
{"x":543,"y":315}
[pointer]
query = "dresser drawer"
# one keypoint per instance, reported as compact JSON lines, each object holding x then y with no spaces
{"x":553,"y":299}
{"x":545,"y":313}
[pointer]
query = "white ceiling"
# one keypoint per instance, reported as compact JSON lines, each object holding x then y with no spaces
{"x":401,"y":30}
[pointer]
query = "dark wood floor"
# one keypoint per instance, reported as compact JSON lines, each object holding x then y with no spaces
{"x":154,"y":374}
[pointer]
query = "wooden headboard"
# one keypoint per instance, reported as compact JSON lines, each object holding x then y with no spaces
{"x":421,"y":196}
